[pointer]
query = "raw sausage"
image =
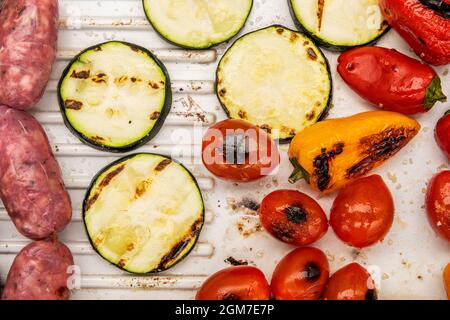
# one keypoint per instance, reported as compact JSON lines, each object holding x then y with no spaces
{"x":31,"y":185}
{"x":40,"y":272}
{"x":28,"y":35}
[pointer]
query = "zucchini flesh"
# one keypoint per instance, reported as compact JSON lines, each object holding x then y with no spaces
{"x":340,"y":24}
{"x":144,"y":213}
{"x":275,"y":78}
{"x":197,"y":24}
{"x":115,"y":96}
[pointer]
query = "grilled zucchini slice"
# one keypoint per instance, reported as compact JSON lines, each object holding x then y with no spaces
{"x":277,"y":79}
{"x":197,"y":24}
{"x":115,"y":96}
{"x":143,"y":213}
{"x":339,"y":24}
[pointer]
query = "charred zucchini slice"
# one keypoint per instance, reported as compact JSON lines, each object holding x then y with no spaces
{"x":339,"y":24}
{"x":115,"y":96}
{"x":198,"y":24}
{"x":277,"y":79}
{"x":143,"y":213}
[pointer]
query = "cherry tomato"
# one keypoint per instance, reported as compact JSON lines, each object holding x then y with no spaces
{"x":363,"y":212}
{"x":391,"y":80}
{"x":293,"y":217}
{"x":442,"y":134}
{"x":438,"y":204}
{"x":235,"y":283}
{"x":239,"y":151}
{"x":447,"y":280}
{"x":301,"y":275}
{"x":352,"y":282}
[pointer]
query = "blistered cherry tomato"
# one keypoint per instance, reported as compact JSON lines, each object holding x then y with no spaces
{"x":293,"y":217}
{"x":235,"y":283}
{"x":301,"y":275}
{"x":447,"y":280}
{"x":363,"y":212}
{"x":438,"y":204}
{"x":442,"y":134}
{"x":352,"y":282}
{"x":239,"y":151}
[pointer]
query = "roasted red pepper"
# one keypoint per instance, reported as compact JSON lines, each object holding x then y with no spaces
{"x":442,"y":133}
{"x":424,"y":24}
{"x":391,"y":80}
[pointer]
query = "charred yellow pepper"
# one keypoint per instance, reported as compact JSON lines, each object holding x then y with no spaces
{"x":332,"y":153}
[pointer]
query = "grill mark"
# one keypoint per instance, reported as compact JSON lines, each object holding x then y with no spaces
{"x":80,"y":75}
{"x":99,"y":78}
{"x":73,"y":104}
{"x":173,"y":253}
{"x":320,"y":9}
{"x":380,"y":147}
{"x":163,"y":164}
{"x":110,"y":176}
{"x":91,"y":201}
{"x":141,"y":189}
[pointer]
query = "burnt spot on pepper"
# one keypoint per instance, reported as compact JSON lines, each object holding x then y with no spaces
{"x":73,"y":104}
{"x":162,"y":165}
{"x":311,"y":54}
{"x":371,"y":294}
{"x":296,"y":214}
{"x":84,"y":74}
{"x":380,"y":147}
{"x":155,"y":115}
{"x":111,"y":176}
{"x":312,"y":271}
{"x":322,"y":165}
{"x":350,"y":67}
{"x":62,"y":292}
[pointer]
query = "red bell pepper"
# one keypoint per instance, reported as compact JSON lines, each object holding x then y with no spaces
{"x":391,"y":80}
{"x":424,"y":24}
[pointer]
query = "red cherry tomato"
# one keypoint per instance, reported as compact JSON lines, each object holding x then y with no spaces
{"x":352,"y":282}
{"x":293,"y":217}
{"x":363,"y":212}
{"x":391,"y":80}
{"x":235,"y":283}
{"x":301,"y":275}
{"x":239,"y":151}
{"x":438,"y":204}
{"x":442,"y":134}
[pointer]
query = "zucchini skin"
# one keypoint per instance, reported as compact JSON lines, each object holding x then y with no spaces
{"x":158,"y":124}
{"x":325,"y":44}
{"x":325,"y":111}
{"x":94,"y":180}
{"x":192,"y":47}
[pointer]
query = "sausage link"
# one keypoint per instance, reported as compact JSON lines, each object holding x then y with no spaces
{"x":31,"y":185}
